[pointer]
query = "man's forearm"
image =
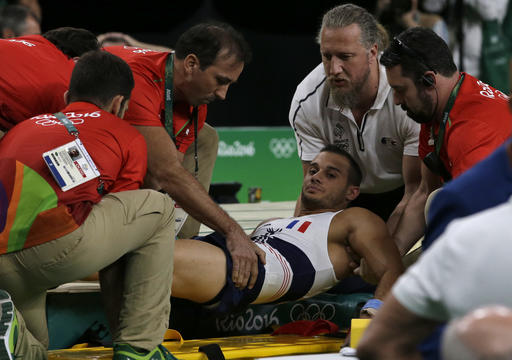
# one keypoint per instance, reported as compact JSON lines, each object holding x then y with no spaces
{"x":194,"y":199}
{"x":386,"y":282}
{"x":411,"y":226}
{"x":396,"y":215}
{"x":166,"y":173}
{"x":411,"y":172}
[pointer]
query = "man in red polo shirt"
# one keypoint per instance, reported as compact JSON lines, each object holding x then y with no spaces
{"x":462,"y":119}
{"x":169,"y":101}
{"x":35,"y":72}
{"x":71,"y":207}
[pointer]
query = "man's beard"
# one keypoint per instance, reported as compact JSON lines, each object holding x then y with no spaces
{"x":324,"y":202}
{"x":426,"y":114}
{"x":349,"y":98}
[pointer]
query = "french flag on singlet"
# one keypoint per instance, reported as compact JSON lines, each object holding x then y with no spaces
{"x":302,"y":227}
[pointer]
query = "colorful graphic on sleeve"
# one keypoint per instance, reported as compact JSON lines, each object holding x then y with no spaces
{"x":29,"y":210}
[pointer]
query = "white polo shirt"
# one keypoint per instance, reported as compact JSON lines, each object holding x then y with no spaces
{"x":385,"y":135}
{"x":467,"y":267}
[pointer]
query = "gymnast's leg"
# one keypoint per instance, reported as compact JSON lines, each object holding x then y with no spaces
{"x":199,"y":270}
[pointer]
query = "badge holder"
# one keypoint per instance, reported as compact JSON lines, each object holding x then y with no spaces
{"x":70,"y":164}
{"x":180,"y":216}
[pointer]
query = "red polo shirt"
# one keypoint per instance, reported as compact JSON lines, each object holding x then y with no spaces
{"x":35,"y":208}
{"x":34,"y":76}
{"x":479,"y":122}
{"x":147,"y":102}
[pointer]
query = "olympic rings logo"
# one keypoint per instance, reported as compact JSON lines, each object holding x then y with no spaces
{"x":283,"y":147}
{"x":312,"y":312}
{"x":51,"y":122}
{"x":140,"y":50}
{"x":75,"y":118}
{"x":24,"y":42}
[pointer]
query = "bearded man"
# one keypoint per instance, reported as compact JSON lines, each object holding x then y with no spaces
{"x":347,"y":101}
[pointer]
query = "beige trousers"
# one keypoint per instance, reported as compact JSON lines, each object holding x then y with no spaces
{"x":129,"y":238}
{"x":207,"y":145}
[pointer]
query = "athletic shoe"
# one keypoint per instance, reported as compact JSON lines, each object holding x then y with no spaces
{"x":126,"y":352}
{"x":8,"y":327}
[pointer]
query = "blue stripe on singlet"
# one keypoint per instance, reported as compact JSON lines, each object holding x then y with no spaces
{"x":292,"y":224}
{"x":303,"y":271}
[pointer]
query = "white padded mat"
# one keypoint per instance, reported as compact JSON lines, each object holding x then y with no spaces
{"x":250,"y":215}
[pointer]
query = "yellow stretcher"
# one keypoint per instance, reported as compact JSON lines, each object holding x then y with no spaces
{"x":233,"y":347}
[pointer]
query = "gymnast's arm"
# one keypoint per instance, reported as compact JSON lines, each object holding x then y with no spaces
{"x":367,"y":236}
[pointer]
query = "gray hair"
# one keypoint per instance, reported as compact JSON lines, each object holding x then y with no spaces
{"x":348,"y":14}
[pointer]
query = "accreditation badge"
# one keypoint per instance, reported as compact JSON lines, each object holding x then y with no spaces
{"x":180,"y":216}
{"x":70,"y":165}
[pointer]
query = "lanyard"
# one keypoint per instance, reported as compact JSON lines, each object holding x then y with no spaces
{"x":71,"y":128}
{"x":169,"y":77}
{"x":438,"y":141}
{"x":196,"y":160}
{"x":67,"y":123}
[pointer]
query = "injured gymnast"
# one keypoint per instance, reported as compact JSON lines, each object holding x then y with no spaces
{"x":305,"y":255}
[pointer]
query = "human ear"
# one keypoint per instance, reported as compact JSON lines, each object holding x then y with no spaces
{"x":352,"y":193}
{"x":191,"y":63}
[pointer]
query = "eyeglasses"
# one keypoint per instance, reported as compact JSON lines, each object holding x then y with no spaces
{"x":436,"y":165}
{"x":406,"y":49}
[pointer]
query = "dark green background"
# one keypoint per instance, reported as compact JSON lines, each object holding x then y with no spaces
{"x":245,"y":156}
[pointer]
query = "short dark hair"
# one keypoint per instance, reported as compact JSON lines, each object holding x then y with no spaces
{"x":73,"y":42}
{"x":355,"y":175}
{"x":419,"y":50}
{"x":14,"y":17}
{"x":98,"y":77}
{"x":206,"y":40}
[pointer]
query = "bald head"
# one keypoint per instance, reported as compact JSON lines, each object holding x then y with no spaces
{"x":483,"y":334}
